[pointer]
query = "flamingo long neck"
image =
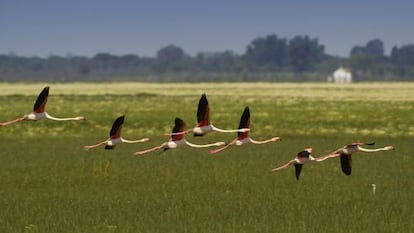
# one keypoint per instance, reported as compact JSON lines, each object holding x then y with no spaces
{"x":134,"y":141}
{"x":264,"y":141}
{"x":373,"y":150}
{"x":229,"y":130}
{"x":62,"y":119}
{"x":204,"y":145}
{"x":260,"y":142}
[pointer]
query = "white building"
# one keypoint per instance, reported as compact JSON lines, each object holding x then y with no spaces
{"x":341,"y":75}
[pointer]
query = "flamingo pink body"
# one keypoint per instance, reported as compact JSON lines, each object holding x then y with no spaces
{"x":39,"y":111}
{"x":243,"y":135}
{"x":177,"y":139}
{"x":303,"y":157}
{"x":345,"y":154}
{"x":204,"y":125}
{"x":115,"y":136}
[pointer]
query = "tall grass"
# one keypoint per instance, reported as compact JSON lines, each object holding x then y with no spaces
{"x":49,"y":184}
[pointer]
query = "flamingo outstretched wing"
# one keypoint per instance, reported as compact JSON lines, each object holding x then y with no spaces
{"x":244,"y":123}
{"x":298,"y":170}
{"x":115,"y":131}
{"x":306,"y":153}
{"x":177,"y":132}
{"x":176,"y":135}
{"x":346,"y":163}
{"x":298,"y":162}
{"x":40,"y":104}
{"x":117,"y":127}
{"x":203,"y":111}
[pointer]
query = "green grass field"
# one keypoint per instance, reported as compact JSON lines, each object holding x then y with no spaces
{"x":50,"y":184}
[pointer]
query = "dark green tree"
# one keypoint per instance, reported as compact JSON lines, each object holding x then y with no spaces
{"x":403,"y":55}
{"x":269,"y":51}
{"x":226,"y":61}
{"x":170,"y":58}
{"x":373,"y":47}
{"x":368,"y":61}
{"x":403,"y":61}
{"x":304,"y":53}
{"x":170,"y":54}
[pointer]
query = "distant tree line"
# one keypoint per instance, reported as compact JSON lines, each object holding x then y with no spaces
{"x":268,"y":58}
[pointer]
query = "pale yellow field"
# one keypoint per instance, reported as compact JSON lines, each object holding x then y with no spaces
{"x":358,"y":91}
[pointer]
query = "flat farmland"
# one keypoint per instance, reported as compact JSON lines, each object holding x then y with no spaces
{"x":48,"y":183}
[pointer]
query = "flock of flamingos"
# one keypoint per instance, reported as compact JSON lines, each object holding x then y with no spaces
{"x":203,"y":127}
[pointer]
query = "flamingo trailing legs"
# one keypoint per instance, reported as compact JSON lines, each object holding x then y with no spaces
{"x":39,"y":111}
{"x":177,"y":139}
{"x":301,"y":158}
{"x":345,"y":154}
{"x":115,"y":136}
{"x":203,"y":120}
{"x":243,"y":137}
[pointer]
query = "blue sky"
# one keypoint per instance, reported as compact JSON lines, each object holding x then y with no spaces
{"x":87,"y":27}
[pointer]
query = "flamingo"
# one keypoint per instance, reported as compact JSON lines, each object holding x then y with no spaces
{"x":177,"y":139}
{"x":115,"y":136}
{"x":203,"y":121}
{"x":301,"y":158}
{"x":345,"y":154}
{"x":243,"y":137}
{"x":39,"y":111}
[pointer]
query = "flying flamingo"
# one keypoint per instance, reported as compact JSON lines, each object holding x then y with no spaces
{"x":39,"y":111}
{"x":115,"y":136}
{"x":243,"y":137}
{"x":301,"y":158}
{"x":345,"y":154}
{"x":177,"y":139}
{"x":203,"y":121}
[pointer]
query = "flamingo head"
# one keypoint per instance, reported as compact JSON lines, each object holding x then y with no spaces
{"x":275,"y":139}
{"x":390,"y":147}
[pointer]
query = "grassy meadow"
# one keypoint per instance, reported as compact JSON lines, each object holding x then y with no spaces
{"x":48,"y":183}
